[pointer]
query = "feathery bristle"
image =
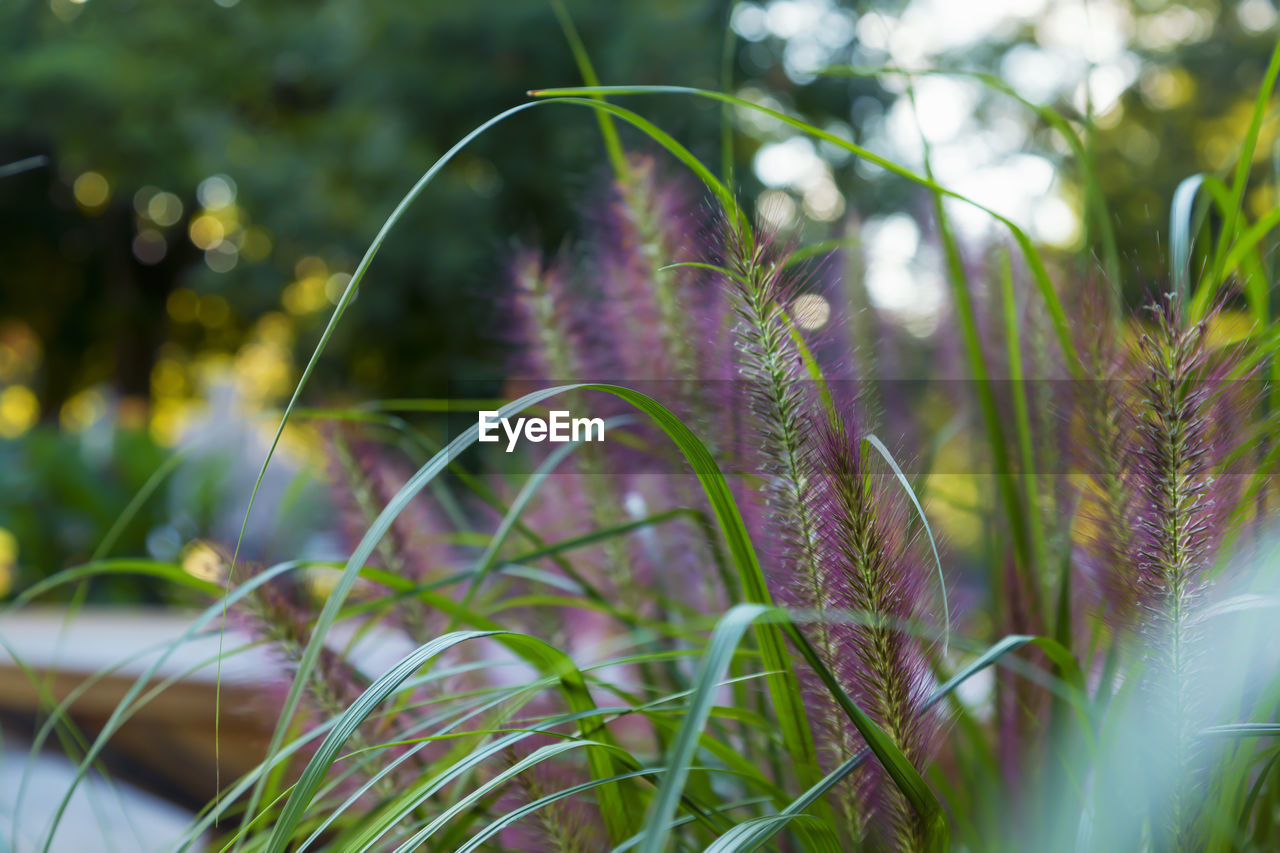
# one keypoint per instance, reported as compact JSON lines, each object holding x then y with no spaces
{"x":870,"y":570}
{"x":1175,"y":535}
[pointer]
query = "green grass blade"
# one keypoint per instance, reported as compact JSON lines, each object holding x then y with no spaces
{"x":119,"y":566}
{"x":733,"y":211}
{"x":904,"y":775}
{"x":1016,"y":510}
{"x":1246,"y":810}
{"x":1241,"y":178}
{"x":327,"y":753}
{"x":1243,"y":730}
{"x":783,"y":684}
{"x":612,"y":144}
{"x":120,"y":712}
{"x":1022,"y":415}
{"x":17,"y":167}
{"x":754,"y":840}
{"x":1182,"y":228}
{"x":1095,"y":199}
{"x":1061,"y":324}
{"x":521,"y":812}
{"x":720,"y":651}
{"x":743,"y":836}
{"x":344,"y":302}
{"x":874,"y":441}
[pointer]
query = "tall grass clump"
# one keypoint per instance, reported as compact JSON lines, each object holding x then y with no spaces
{"x":728,"y":627}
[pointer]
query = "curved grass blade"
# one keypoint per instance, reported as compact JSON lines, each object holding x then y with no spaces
{"x":529,"y":808}
{"x":1255,"y":790}
{"x":737,"y":218}
{"x":874,"y":441}
{"x":553,"y":662}
{"x":1182,"y":228}
{"x":123,"y":566}
{"x":749,"y":834}
{"x":733,"y":211}
{"x":325,"y":755}
{"x":544,"y":753}
{"x":1243,"y":730}
{"x":612,"y":144}
{"x":1022,"y":416}
{"x":489,"y":558}
{"x":715,"y":664}
{"x":1241,"y":178}
{"x":904,"y":775}
{"x":1095,"y":200}
{"x":121,"y":710}
{"x":1025,"y":555}
{"x":344,"y":301}
{"x":783,"y":685}
{"x":790,"y":720}
{"x":763,"y":832}
{"x":1062,"y":326}
{"x":17,"y":167}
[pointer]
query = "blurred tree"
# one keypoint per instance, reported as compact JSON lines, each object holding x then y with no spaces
{"x":217,"y":167}
{"x":320,"y":117}
{"x":1169,"y":86}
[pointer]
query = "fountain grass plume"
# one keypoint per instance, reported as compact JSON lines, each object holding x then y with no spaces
{"x":779,"y":397}
{"x":280,"y":612}
{"x":1175,"y":535}
{"x":569,"y":825}
{"x":645,"y":225}
{"x":545,"y":322}
{"x":871,"y":570}
{"x":1104,"y":450}
{"x":364,"y":478}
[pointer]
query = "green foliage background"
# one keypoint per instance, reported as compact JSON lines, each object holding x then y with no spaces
{"x":323,"y":114}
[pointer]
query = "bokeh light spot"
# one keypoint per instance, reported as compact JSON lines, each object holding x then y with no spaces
{"x":335,"y":285}
{"x":810,"y":311}
{"x":82,"y":411}
{"x":203,"y":562}
{"x":777,"y":208}
{"x":8,"y":560}
{"x":222,"y":257}
{"x":216,"y":191}
{"x":255,"y":245}
{"x":168,"y":379}
{"x":164,"y":209}
{"x":149,"y":247}
{"x":19,"y":409}
{"x":91,"y":190}
{"x":206,"y":231}
{"x":310,"y":266}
